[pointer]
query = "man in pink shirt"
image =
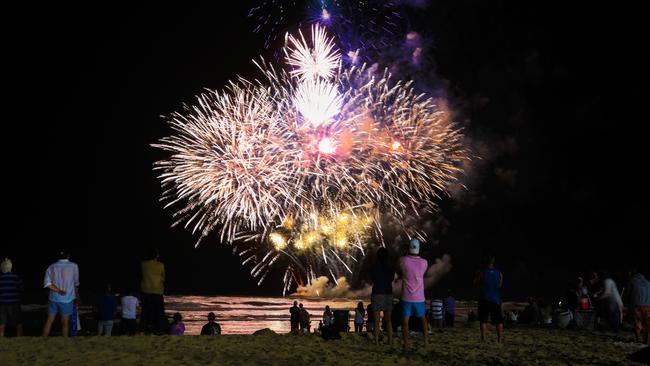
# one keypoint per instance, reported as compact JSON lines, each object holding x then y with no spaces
{"x":413,"y":268}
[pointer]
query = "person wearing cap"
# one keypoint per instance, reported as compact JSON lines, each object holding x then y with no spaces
{"x":212,"y":327}
{"x":62,"y":280}
{"x":412,"y":270}
{"x":490,"y":280}
{"x":11,"y":287}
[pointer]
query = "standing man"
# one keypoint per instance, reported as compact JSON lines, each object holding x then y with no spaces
{"x":413,"y":268}
{"x":153,"y":287}
{"x":295,"y":316}
{"x":383,"y":274}
{"x":490,"y":280}
{"x":639,"y":303}
{"x":11,"y":287}
{"x":62,"y":279}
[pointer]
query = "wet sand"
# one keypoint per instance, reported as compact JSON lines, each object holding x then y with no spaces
{"x":458,"y":346}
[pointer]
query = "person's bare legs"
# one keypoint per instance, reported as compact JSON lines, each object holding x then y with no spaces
{"x":405,"y":330}
{"x":425,"y":331}
{"x":377,"y":326}
{"x":48,"y":325}
{"x":2,"y":330}
{"x":389,"y":324}
{"x":500,"y":332}
{"x":65,"y":325}
{"x":483,"y":326}
{"x":19,"y":330}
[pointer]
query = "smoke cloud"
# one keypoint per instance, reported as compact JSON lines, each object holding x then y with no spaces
{"x":321,"y":287}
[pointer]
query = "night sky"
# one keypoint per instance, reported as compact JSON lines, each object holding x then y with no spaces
{"x":549,"y":96}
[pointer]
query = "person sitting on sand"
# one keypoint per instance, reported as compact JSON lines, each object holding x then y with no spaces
{"x":11,"y":288}
{"x":359,"y":317}
{"x":212,"y":327}
{"x":490,"y":280}
{"x":382,"y":274}
{"x":328,"y":316}
{"x":177,"y":327}
{"x":412,"y":270}
{"x":62,"y":280}
{"x":531,"y":313}
{"x":130,"y":306}
{"x":295,"y":316}
{"x":106,"y":312}
{"x":304,"y":319}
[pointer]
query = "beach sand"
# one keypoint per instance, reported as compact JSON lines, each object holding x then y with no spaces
{"x":458,"y":346}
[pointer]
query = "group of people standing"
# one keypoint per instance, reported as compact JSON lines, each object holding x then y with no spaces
{"x":411,"y":270}
{"x":62,"y":281}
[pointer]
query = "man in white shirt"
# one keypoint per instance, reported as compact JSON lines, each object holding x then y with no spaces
{"x":62,"y":279}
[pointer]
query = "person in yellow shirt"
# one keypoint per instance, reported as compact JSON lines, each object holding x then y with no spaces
{"x":152,"y":288}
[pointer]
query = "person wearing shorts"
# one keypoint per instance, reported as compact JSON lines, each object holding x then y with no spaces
{"x":62,"y":279}
{"x":490,"y":281}
{"x":383,"y":274}
{"x":413,"y":268}
{"x":11,"y":288}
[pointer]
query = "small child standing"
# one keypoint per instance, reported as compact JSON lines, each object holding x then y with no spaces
{"x":436,"y":312}
{"x":130,"y":306}
{"x":177,"y":327}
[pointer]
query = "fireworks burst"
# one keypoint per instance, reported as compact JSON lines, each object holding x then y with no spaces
{"x":303,"y":161}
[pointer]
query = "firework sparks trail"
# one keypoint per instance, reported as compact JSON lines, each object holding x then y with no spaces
{"x":302,"y":162}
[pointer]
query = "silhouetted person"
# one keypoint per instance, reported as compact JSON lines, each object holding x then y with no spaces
{"x":450,"y":310}
{"x":639,"y":303}
{"x":610,"y":302}
{"x":130,"y":306}
{"x":106,"y":312}
{"x":212,"y":327}
{"x":359,"y":317}
{"x":62,"y":279}
{"x":177,"y":327}
{"x":328,"y":316}
{"x":304,"y":318}
{"x":490,"y":281}
{"x":294,"y":311}
{"x":11,"y":289}
{"x":382,"y":275}
{"x":412,"y":271}
{"x":152,"y":289}
{"x":531,"y":313}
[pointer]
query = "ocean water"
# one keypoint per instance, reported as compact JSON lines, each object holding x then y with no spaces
{"x":245,"y":315}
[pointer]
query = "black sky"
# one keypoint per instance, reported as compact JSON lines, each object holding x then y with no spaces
{"x":550,"y":97}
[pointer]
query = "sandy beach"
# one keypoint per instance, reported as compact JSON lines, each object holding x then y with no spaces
{"x":456,"y":346}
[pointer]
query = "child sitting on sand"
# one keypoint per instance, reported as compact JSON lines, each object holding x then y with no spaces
{"x":177,"y":327}
{"x":212,"y":327}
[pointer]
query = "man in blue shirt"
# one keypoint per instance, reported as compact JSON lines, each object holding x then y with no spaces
{"x":11,"y":287}
{"x":489,"y":280}
{"x":62,"y":279}
{"x":106,"y":313}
